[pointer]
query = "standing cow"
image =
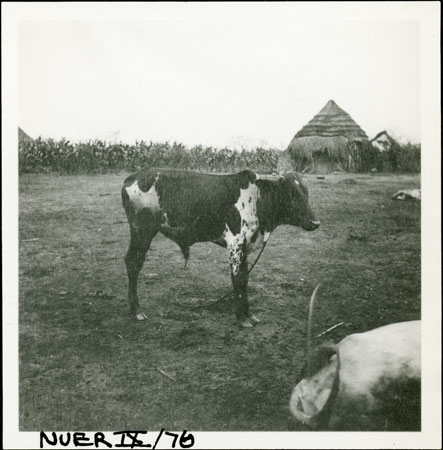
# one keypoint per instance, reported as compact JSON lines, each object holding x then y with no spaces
{"x":237,"y":211}
{"x":367,"y":382}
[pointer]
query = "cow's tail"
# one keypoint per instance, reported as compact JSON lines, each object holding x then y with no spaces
{"x":309,"y":337}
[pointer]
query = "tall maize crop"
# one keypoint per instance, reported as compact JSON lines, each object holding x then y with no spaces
{"x":48,"y":155}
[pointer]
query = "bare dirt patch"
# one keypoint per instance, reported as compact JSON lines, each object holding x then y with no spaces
{"x":86,"y":365}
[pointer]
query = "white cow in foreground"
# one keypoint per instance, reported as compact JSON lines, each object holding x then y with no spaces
{"x":369,"y":382}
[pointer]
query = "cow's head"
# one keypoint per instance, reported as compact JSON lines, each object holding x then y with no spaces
{"x":294,"y":206}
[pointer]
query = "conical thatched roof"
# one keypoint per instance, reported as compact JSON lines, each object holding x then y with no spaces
{"x":332,"y":121}
{"x":330,"y":140}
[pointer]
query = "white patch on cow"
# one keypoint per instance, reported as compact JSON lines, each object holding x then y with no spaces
{"x":391,"y":351}
{"x":234,"y":243}
{"x":140,"y":199}
{"x":246,"y":205}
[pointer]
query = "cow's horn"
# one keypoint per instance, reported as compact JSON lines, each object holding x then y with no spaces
{"x":269,"y":177}
{"x":308,"y":341}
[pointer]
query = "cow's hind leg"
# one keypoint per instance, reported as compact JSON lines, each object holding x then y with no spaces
{"x":239,"y":276}
{"x":142,"y":232}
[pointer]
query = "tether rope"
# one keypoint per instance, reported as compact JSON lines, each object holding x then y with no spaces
{"x":223,"y":297}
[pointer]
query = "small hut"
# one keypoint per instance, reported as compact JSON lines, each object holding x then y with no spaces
{"x":23,"y":137}
{"x":387,"y":148}
{"x":332,"y":140}
{"x":384,"y":142}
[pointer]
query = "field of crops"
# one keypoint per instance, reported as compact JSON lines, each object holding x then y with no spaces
{"x":86,"y":365}
{"x":48,"y":155}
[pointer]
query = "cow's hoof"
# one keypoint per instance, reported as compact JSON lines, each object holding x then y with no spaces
{"x":254,"y":320}
{"x":250,"y":321}
{"x":246,"y":324}
{"x":141,"y":316}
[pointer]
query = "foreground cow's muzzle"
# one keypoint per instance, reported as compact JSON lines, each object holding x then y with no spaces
{"x":312,"y":225}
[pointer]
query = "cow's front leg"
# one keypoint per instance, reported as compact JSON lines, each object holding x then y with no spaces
{"x":239,"y":276}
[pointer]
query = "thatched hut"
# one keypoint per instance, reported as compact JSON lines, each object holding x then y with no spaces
{"x":384,"y":142}
{"x":23,"y":137}
{"x":387,"y":149}
{"x":332,"y":140}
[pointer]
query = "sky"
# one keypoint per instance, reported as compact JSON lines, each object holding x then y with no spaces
{"x":237,"y":79}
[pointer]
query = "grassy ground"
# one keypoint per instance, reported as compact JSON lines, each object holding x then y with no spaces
{"x":86,"y":365}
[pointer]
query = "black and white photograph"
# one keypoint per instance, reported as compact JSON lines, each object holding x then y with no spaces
{"x":221,"y":225}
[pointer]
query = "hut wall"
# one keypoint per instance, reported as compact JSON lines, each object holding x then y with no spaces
{"x":325,"y":154}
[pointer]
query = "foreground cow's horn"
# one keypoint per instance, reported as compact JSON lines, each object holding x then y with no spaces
{"x":269,"y":177}
{"x":308,"y":341}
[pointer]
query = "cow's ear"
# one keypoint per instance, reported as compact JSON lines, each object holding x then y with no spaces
{"x":246,"y":177}
{"x":310,"y":397}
